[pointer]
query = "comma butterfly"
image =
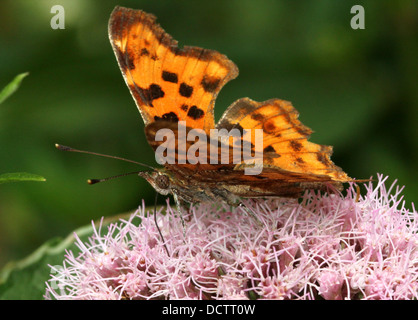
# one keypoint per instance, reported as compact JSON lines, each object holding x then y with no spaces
{"x":173,"y":85}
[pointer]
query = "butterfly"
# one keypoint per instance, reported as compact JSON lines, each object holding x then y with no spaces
{"x":175,"y":89}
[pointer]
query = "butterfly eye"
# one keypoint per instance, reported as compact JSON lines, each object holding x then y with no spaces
{"x":162,"y":181}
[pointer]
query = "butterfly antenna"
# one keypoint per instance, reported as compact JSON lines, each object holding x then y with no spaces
{"x":65,"y":148}
{"x":94,"y":181}
{"x":156,"y":224}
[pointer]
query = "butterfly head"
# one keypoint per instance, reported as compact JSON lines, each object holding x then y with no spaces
{"x":158,"y":179}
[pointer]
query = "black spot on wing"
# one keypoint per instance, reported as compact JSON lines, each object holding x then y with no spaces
{"x":153,"y":92}
{"x":269,"y":127}
{"x":170,"y":116}
{"x":144,"y":52}
{"x":258,"y":117}
{"x":295,"y":145}
{"x":269,"y":149}
{"x":184,"y":107}
{"x":195,"y":113}
{"x":323,"y":155}
{"x":300,"y":160}
{"x":229,"y":126}
{"x":210,"y":84}
{"x":185,"y":90}
{"x":271,"y":152}
{"x":170,"y":76}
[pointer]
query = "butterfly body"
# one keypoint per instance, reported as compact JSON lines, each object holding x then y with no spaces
{"x":175,"y":90}
{"x":189,"y":189}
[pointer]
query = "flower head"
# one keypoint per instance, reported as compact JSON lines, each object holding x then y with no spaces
{"x":325,"y":246}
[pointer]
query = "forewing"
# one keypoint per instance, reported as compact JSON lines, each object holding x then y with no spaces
{"x":167,"y":82}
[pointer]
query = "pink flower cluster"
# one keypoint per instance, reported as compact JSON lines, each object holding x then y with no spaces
{"x":322,"y":246}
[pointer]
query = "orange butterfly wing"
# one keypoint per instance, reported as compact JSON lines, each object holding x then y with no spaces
{"x":285,"y":140}
{"x":167,"y":82}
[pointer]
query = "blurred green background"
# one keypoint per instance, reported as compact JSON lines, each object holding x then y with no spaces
{"x":357,"y":89}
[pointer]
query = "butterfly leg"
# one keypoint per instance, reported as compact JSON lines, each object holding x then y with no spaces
{"x":156,"y":224}
{"x":231,"y":200}
{"x":180,"y":211}
{"x":357,"y":193}
{"x":250,"y":213}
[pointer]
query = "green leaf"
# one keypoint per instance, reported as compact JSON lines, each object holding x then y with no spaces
{"x":20,"y":176}
{"x":12,"y":87}
{"x":25,"y":279}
